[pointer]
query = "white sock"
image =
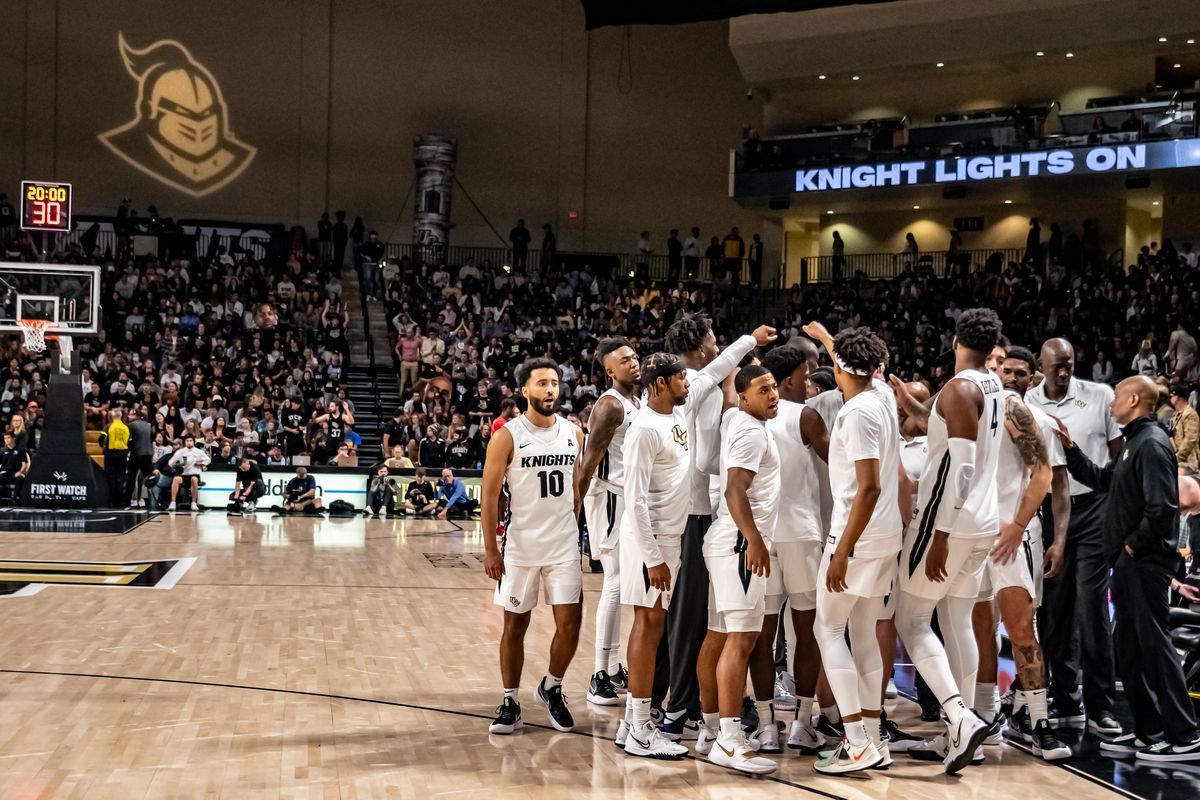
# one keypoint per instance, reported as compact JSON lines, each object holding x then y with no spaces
{"x":511,"y":693}
{"x":856,"y":732}
{"x":766,"y":712}
{"x":831,"y":713}
{"x":987,"y":701}
{"x":955,"y":709}
{"x":549,"y":682}
{"x":731,"y":727}
{"x":1036,"y":702}
{"x":712,"y":721}
{"x":641,"y":712}
{"x":872,"y":726}
{"x":804,"y":709}
{"x":629,"y":708}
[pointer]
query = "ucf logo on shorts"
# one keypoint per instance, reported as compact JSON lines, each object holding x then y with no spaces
{"x":179,"y":134}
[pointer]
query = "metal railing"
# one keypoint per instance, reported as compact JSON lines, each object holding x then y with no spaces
{"x":825,"y":268}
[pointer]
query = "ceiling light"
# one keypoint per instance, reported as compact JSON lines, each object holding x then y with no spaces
{"x":1008,"y":202}
{"x":1162,"y":38}
{"x":941,"y":64}
{"x":1040,"y":53}
{"x":820,"y":77}
{"x":1191,"y":41}
{"x":830,"y":211}
{"x":1154,"y":203}
{"x":1177,"y":66}
{"x":1070,"y":55}
{"x":916,"y":208}
{"x":854,"y":78}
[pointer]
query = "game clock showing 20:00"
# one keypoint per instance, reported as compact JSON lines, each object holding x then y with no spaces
{"x":45,"y":206}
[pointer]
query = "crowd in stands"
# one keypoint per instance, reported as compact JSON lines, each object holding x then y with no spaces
{"x":248,"y":356}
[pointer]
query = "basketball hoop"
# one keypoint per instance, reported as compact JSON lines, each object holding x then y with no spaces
{"x":34,"y":331}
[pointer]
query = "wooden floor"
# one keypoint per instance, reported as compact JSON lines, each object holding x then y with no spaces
{"x":338,"y":658}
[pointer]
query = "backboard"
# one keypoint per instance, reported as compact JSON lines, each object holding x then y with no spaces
{"x":66,"y":296}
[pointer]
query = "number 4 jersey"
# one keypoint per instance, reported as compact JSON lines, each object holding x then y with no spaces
{"x":973,"y":496}
{"x":542,"y":528}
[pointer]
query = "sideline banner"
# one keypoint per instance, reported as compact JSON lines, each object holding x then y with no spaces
{"x":346,"y":483}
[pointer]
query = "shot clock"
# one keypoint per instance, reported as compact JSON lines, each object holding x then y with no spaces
{"x":45,"y":206}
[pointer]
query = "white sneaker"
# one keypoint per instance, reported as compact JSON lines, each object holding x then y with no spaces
{"x":891,"y":690}
{"x":249,"y":509}
{"x":382,"y":514}
{"x":195,"y":507}
{"x":767,"y":738}
{"x":885,"y":756}
{"x":704,"y":739}
{"x":848,"y":758}
{"x":369,"y":513}
{"x":736,"y":754}
{"x":785,"y":699}
{"x":171,"y":508}
{"x":649,"y":742}
{"x":622,"y":734}
{"x":964,"y":739}
{"x":804,"y":738}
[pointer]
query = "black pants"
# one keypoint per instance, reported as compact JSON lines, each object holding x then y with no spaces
{"x":1146,"y":659}
{"x":115,"y":464}
{"x":140,"y":468}
{"x":687,"y":618}
{"x":259,"y":489}
{"x":674,"y":268}
{"x":691,"y":267}
{"x":384,"y":498}
{"x":1074,"y":622}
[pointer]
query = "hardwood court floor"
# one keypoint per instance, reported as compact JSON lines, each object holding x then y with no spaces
{"x":341,"y":659}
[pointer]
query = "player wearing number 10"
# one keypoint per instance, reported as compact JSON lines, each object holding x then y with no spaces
{"x":535,"y":454}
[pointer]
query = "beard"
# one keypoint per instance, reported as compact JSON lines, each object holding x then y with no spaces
{"x":540,"y":406}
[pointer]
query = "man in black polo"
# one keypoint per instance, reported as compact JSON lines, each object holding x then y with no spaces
{"x":1141,"y":539}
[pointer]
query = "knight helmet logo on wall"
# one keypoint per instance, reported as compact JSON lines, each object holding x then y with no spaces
{"x":180,"y":132}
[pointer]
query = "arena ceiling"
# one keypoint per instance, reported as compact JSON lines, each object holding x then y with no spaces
{"x":601,"y":13}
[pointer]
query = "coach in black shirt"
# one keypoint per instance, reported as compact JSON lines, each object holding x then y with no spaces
{"x":1141,"y":537}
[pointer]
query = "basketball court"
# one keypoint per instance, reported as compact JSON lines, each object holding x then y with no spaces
{"x":304,"y":657}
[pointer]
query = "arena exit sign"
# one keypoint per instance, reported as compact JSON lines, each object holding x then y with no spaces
{"x":1003,"y":166}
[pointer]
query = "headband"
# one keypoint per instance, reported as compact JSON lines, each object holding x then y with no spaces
{"x":847,"y":368}
{"x":668,"y":371}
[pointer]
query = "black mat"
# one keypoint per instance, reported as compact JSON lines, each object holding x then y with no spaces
{"x":41,"y":520}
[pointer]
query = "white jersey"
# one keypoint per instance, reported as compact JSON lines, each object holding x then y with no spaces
{"x":1012,"y":474}
{"x":610,"y":472}
{"x":968,"y":507}
{"x":912,"y":455}
{"x":867,"y":428}
{"x":827,"y":404}
{"x":542,"y":528}
{"x":746,"y":444}
{"x":657,"y":486}
{"x":799,"y":516}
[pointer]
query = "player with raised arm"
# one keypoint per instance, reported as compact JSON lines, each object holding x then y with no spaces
{"x":601,"y":484}
{"x":736,"y":551}
{"x":656,"y":503}
{"x":536,"y":455}
{"x":943,"y":559}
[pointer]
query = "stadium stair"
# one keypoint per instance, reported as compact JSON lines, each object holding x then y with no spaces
{"x":371,"y":379}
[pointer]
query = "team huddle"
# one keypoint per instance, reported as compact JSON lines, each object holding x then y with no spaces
{"x":719,"y":490}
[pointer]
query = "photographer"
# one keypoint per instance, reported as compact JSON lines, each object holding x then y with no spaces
{"x":381,"y":493}
{"x":300,"y":494}
{"x":453,"y":498}
{"x":420,"y":498}
{"x":248,"y":487}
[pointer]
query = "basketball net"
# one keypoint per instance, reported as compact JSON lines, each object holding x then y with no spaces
{"x":34,"y":332}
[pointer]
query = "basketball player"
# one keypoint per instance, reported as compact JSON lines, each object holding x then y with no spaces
{"x":942,"y":562}
{"x":691,"y":338}
{"x":1031,"y":463}
{"x":858,"y":564}
{"x":535,"y":454}
{"x":656,"y":498}
{"x":604,"y":504}
{"x":802,"y":439}
{"x":736,"y":552}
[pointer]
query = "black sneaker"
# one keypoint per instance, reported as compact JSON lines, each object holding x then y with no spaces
{"x":834,"y":732}
{"x":749,"y":716}
{"x":601,"y":692}
{"x":1046,"y":743}
{"x":1069,"y":715}
{"x":1021,"y":727}
{"x":1104,"y":724}
{"x":556,"y":704}
{"x":897,"y":740}
{"x":1125,"y":745}
{"x":1008,"y":703}
{"x":620,"y":681}
{"x":1167,"y":752}
{"x":508,"y":718}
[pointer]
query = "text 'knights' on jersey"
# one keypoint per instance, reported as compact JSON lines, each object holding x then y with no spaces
{"x":542,"y":529}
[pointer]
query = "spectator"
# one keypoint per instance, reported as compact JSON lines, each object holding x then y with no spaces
{"x":1181,"y":351}
{"x":642,"y":253}
{"x":325,"y":237}
{"x":734,"y":250}
{"x":1144,"y":361}
{"x":14,"y":466}
{"x":301,"y":494}
{"x":188,"y":462}
{"x":343,"y":457}
{"x":398,"y":459}
{"x":1186,"y":425}
{"x":839,"y":258}
{"x":520,"y":238}
{"x":431,"y":451}
{"x":714,"y":254}
{"x":372,"y":252}
{"x":691,"y":255}
{"x":453,"y":498}
{"x":755,"y":259}
{"x":248,"y":484}
{"x":674,"y":257}
{"x":459,"y":452}
{"x":1102,"y":369}
{"x":549,"y":246}
{"x":141,"y":455}
{"x":381,"y":493}
{"x":408,"y":350}
{"x":341,"y":237}
{"x":420,"y":498}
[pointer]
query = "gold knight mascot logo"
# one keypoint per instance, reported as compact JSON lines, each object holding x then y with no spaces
{"x":180,"y":134}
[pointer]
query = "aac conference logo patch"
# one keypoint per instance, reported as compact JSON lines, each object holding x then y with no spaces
{"x":180,"y":133}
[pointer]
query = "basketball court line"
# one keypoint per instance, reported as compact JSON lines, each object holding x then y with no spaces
{"x":377,"y":701}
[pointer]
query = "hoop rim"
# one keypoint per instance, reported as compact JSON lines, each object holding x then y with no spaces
{"x":34,"y":334}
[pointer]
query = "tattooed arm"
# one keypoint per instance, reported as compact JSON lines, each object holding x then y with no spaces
{"x":1023,"y":429}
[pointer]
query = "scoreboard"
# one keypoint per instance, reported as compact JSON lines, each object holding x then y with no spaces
{"x":45,"y":206}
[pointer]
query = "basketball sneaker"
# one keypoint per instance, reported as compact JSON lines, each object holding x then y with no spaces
{"x":805,"y":738}
{"x":383,"y":513}
{"x":1124,"y":746}
{"x":622,"y":734}
{"x":1175,"y":753}
{"x":885,"y":755}
{"x":508,"y":718}
{"x":832,"y":731}
{"x":1046,"y":743}
{"x":554,"y":702}
{"x":704,"y":739}
{"x":996,"y":730}
{"x":600,"y":691}
{"x":964,"y":739}
{"x":766,"y":737}
{"x":249,"y":508}
{"x":681,"y":727}
{"x":648,"y":742}
{"x":171,"y":508}
{"x":935,"y":750}
{"x":736,"y":753}
{"x":898,"y":741}
{"x":785,"y":698}
{"x":1021,"y":727}
{"x":848,"y":758}
{"x":195,"y":507}
{"x":620,"y":681}
{"x":1104,"y":724}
